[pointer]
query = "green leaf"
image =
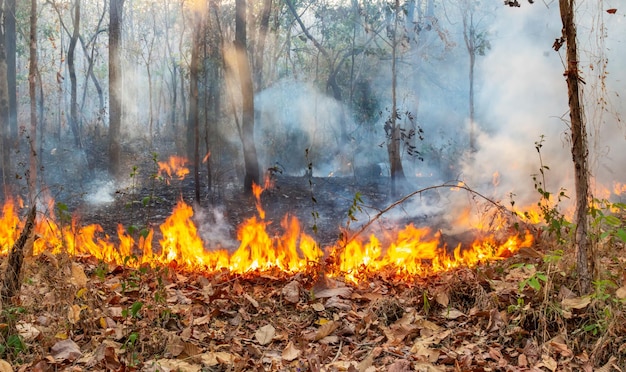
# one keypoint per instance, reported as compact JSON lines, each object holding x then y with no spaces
{"x":621,"y":234}
{"x":534,"y":283}
{"x":134,"y":309}
{"x":145,"y":201}
{"x":612,"y":220}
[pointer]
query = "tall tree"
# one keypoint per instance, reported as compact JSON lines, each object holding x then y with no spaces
{"x":115,"y":91}
{"x":579,"y":148}
{"x":32,"y":91}
{"x":11,"y":59}
{"x":193,"y":125}
{"x":4,"y":101}
{"x":251,"y":161}
{"x":392,"y":128}
{"x":74,"y":118}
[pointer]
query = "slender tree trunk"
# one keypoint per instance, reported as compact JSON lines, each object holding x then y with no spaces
{"x":5,"y":129}
{"x":74,"y":120}
{"x":393,"y":140}
{"x":247,"y":93}
{"x":11,"y":58}
{"x":579,"y":149}
{"x":115,"y":92}
{"x":193,"y":125}
{"x":32,"y":91}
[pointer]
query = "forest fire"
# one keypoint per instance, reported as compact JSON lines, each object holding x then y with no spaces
{"x":399,"y":255}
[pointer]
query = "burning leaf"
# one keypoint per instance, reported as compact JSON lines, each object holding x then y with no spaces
{"x":65,"y":350}
{"x":290,"y":352}
{"x":265,"y":334}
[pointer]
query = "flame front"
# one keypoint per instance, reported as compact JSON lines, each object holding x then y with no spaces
{"x":401,"y":255}
{"x":174,"y":167}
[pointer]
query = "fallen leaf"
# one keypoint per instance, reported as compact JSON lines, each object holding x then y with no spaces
{"x":400,"y":366}
{"x":621,"y":293}
{"x":452,"y":313}
{"x":611,"y":11}
{"x":27,"y":331}
{"x":78,"y":277}
{"x":442,"y":298}
{"x":212,"y":359}
{"x":324,"y":330}
{"x":254,"y":302}
{"x":176,"y":365}
{"x":5,"y":366}
{"x":175,"y":346}
{"x":265,"y":334}
{"x":291,"y":292}
{"x":73,"y":314}
{"x":65,"y":350}
{"x":318,"y":307}
{"x":577,"y":303}
{"x":344,"y":292}
{"x":290,"y":352}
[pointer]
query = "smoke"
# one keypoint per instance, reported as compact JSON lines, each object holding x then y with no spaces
{"x":293,"y":116}
{"x":214,"y":229}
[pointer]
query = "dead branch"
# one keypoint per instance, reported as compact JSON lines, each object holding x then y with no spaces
{"x":420,"y":191}
{"x":12,"y":276}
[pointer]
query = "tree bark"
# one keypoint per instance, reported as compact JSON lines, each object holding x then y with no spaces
{"x":32,"y":91}
{"x":193,"y":125}
{"x":583,"y":246}
{"x":115,"y":93}
{"x":74,"y":120}
{"x":251,"y":162}
{"x":5,"y":129}
{"x":393,"y":140}
{"x":11,"y":58}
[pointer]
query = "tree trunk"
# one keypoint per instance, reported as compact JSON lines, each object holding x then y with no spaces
{"x":32,"y":91}
{"x":393,"y":140}
{"x":193,"y":124}
{"x":5,"y":130}
{"x":74,"y":120}
{"x":579,"y":149}
{"x":247,"y":94}
{"x":115,"y":91}
{"x":11,"y":58}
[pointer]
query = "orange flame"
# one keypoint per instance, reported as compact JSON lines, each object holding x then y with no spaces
{"x":401,"y":255}
{"x":174,"y":167}
{"x":257,"y":191}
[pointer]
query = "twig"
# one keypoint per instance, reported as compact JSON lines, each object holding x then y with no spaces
{"x":408,"y":196}
{"x":338,"y":352}
{"x":12,"y":282}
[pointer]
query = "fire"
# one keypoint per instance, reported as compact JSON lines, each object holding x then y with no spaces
{"x":401,"y":255}
{"x":174,"y":167}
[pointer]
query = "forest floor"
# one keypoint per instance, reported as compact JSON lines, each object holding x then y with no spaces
{"x":77,"y":313}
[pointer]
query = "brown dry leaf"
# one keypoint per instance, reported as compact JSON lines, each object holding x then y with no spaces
{"x":452,"y":314}
{"x":428,"y":367}
{"x":423,"y":352}
{"x":557,"y":344}
{"x":191,"y":349}
{"x":621,"y":293}
{"x":78,"y":277}
{"x":291,"y":292}
{"x":323,"y":331}
{"x":442,"y":297}
{"x":290,"y":352}
{"x":65,"y":350}
{"x":175,"y":346}
{"x":577,"y":303}
{"x":254,"y":302}
{"x":176,"y":365}
{"x":400,"y":366}
{"x":27,"y":331}
{"x":105,"y":356}
{"x":318,"y":307}
{"x":344,"y":292}
{"x":496,"y":320}
{"x":212,"y":359}
{"x":5,"y":366}
{"x":547,"y":362}
{"x":265,"y":334}
{"x":202,"y":320}
{"x":73,"y":314}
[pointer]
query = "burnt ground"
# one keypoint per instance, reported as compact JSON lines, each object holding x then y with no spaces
{"x":321,"y":204}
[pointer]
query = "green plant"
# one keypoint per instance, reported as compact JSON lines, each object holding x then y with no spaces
{"x":555,"y":221}
{"x":534,"y":281}
{"x":605,"y":222}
